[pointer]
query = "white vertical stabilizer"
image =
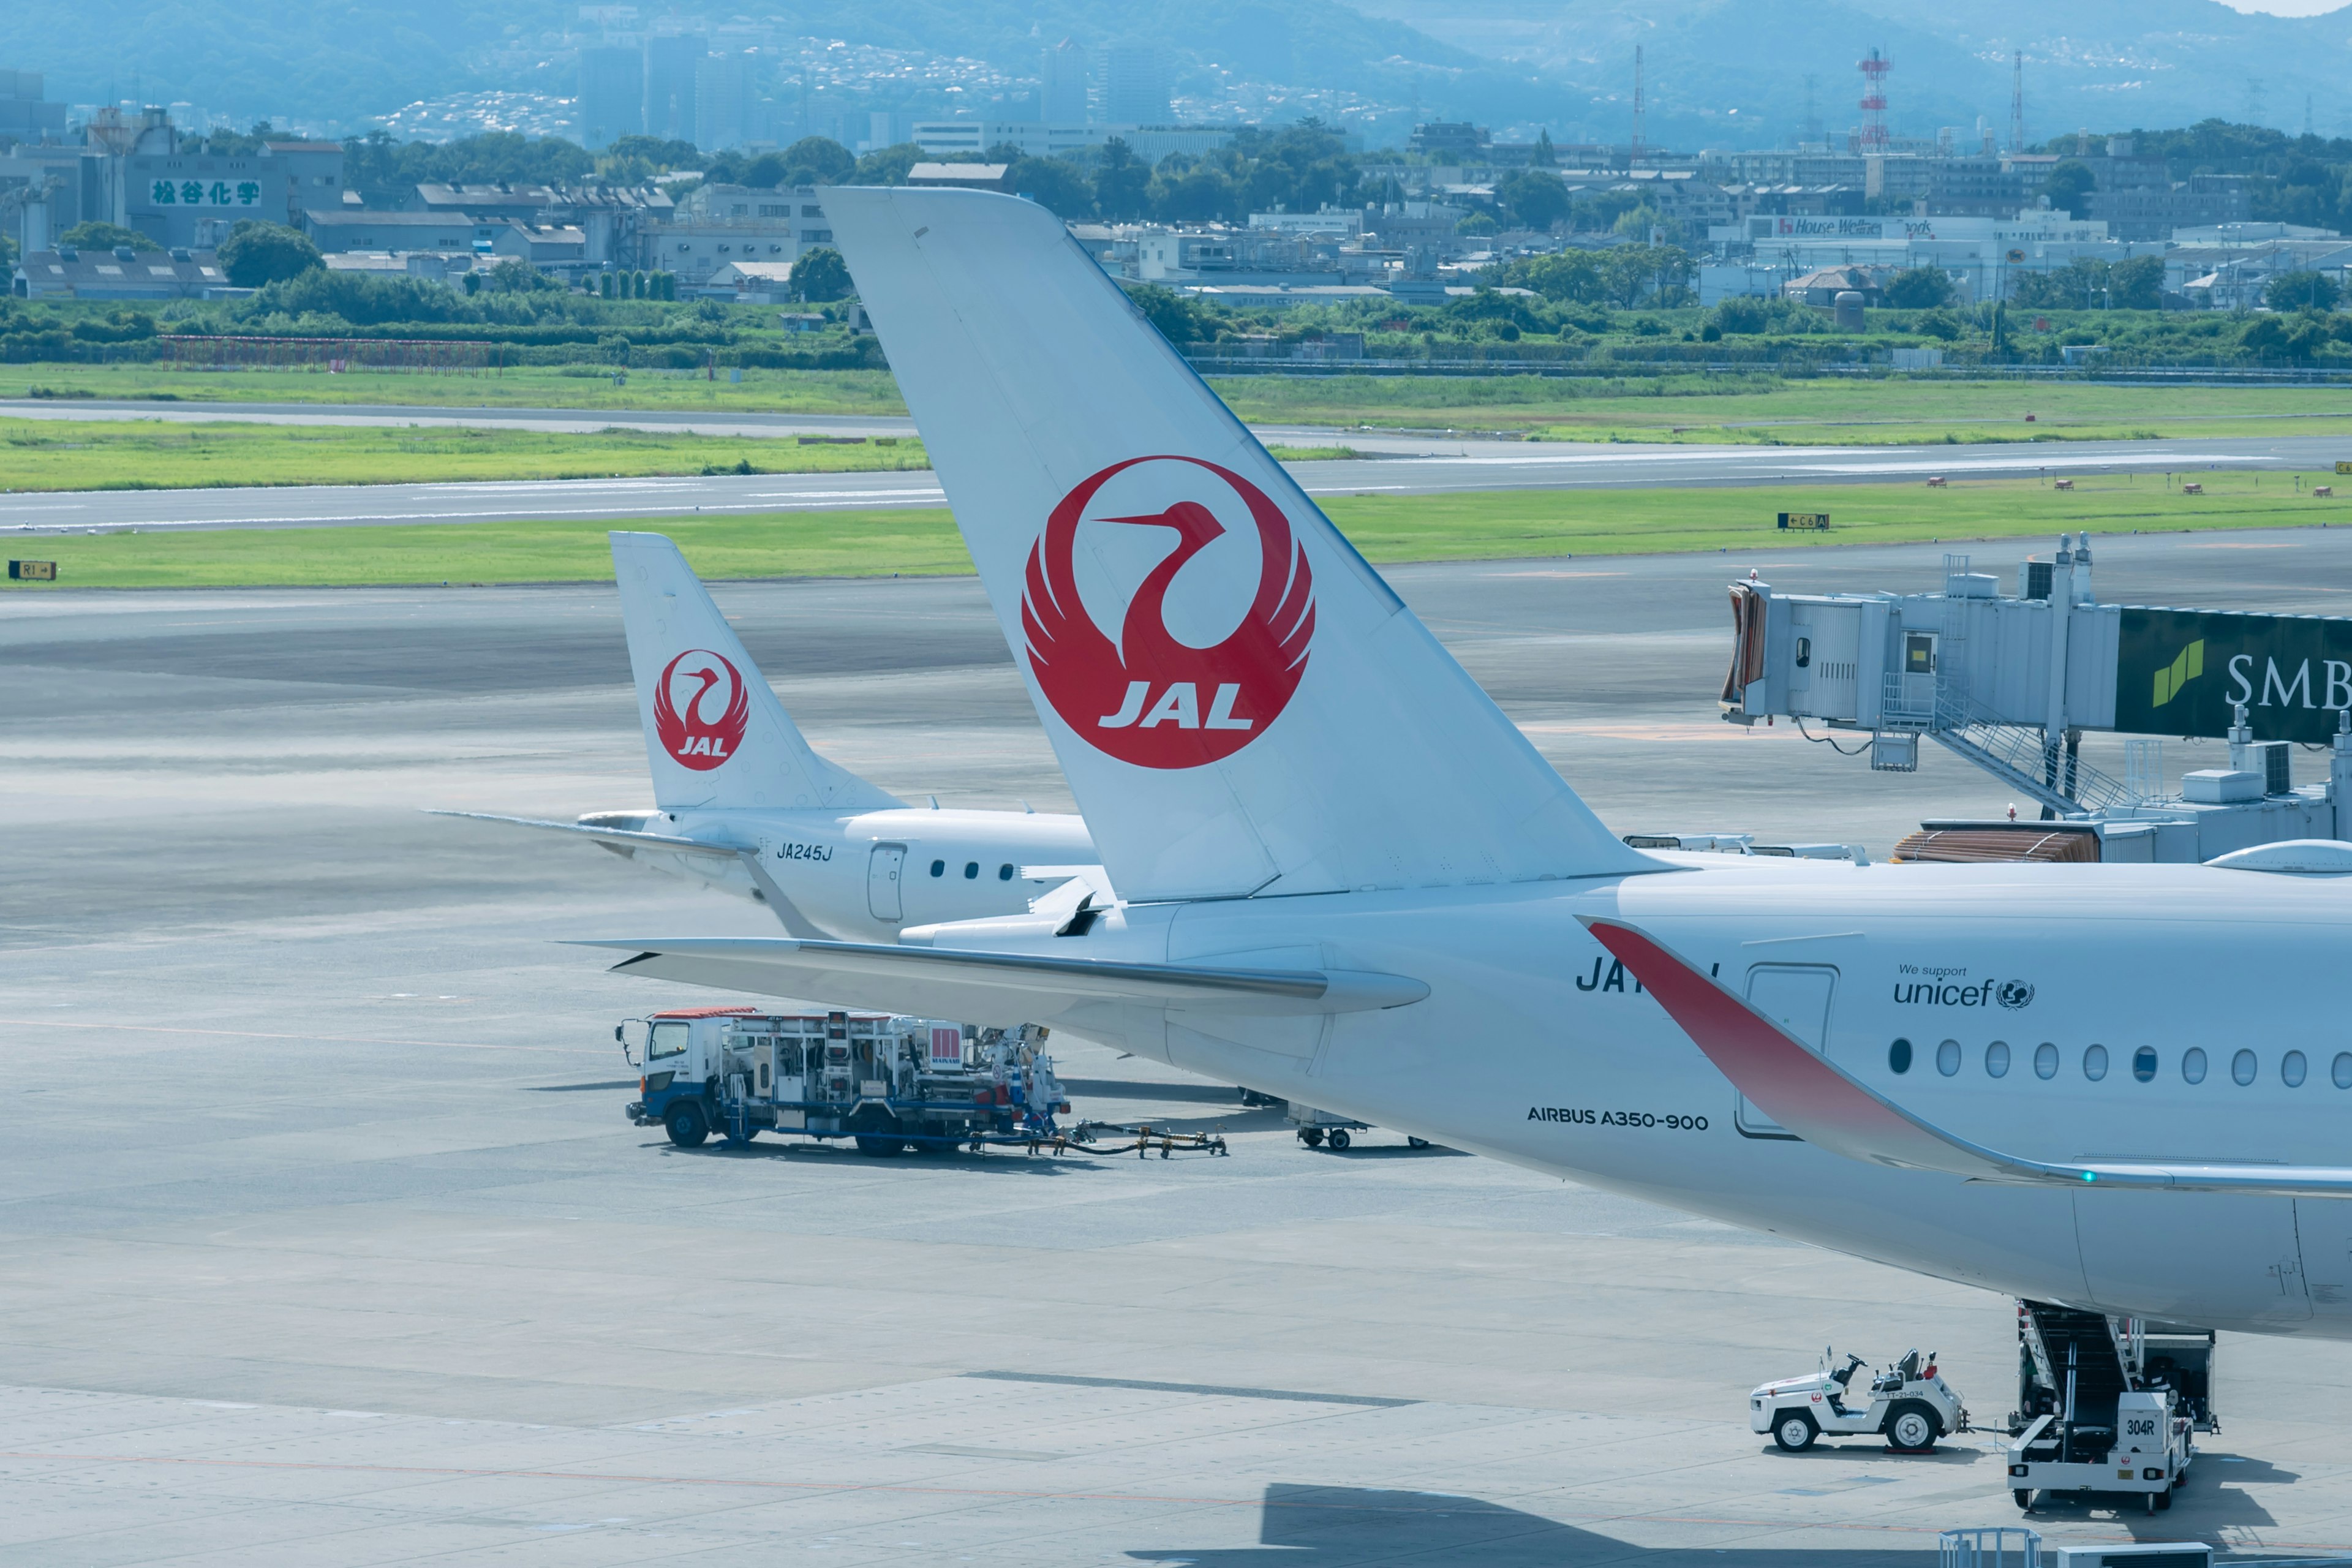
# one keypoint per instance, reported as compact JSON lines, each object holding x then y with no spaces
{"x":716,"y":737}
{"x":1240,"y":704}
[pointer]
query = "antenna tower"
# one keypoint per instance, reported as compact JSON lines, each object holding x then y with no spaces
{"x":1634,"y":148}
{"x":1873,"y":68}
{"x":1810,"y":129}
{"x":2016,"y":100}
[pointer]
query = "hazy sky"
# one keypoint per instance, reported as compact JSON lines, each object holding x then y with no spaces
{"x":2286,"y":7}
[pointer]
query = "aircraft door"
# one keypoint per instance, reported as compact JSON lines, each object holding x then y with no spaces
{"x":1796,"y":996}
{"x":883,"y":873}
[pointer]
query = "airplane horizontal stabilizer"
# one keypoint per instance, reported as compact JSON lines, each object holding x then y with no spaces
{"x":1004,"y":988}
{"x":1811,"y":1096}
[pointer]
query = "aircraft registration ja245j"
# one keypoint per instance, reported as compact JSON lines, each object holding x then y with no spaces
{"x":1345,"y":876}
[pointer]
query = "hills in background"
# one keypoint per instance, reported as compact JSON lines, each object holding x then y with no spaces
{"x":1719,"y":72}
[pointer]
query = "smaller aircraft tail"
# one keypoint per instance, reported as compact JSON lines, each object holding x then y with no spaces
{"x":716,"y":737}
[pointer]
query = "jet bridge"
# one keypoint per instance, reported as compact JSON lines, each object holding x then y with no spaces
{"x":2012,"y":682}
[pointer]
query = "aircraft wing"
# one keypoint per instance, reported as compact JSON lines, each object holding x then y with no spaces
{"x":1004,"y":987}
{"x":625,"y":839}
{"x":616,"y":836}
{"x":1811,"y":1096}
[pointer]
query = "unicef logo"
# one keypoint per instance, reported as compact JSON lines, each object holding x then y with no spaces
{"x":2014,"y":994}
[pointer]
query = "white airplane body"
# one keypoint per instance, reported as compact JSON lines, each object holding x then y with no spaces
{"x":1366,"y":891}
{"x":746,"y":805}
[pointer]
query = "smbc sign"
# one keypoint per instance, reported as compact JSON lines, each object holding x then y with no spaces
{"x":2181,"y":672}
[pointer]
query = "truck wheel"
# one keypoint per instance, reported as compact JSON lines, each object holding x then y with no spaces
{"x":2024,"y":1499}
{"x":880,"y":1148}
{"x":686,"y":1125}
{"x":2164,"y":1500}
{"x":1340,"y":1139}
{"x":1794,"y":1431}
{"x":1911,"y":1429}
{"x":1311,"y":1136}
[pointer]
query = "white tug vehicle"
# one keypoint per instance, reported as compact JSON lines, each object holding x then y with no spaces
{"x":1909,"y":1405}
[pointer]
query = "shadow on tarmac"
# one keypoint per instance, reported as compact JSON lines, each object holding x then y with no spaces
{"x":1326,"y":1527}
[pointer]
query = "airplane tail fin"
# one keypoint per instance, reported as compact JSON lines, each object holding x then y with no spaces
{"x":716,"y":737}
{"x":1240,"y":703}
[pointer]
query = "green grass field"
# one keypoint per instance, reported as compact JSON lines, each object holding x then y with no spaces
{"x":1508,"y":525}
{"x":1759,"y":408}
{"x":62,"y":455}
{"x":1793,"y":413}
{"x":536,"y":386}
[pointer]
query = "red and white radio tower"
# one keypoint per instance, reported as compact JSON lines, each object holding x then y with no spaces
{"x":1873,"y":68}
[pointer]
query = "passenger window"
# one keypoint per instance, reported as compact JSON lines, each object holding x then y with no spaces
{"x":2241,"y":1069}
{"x":1947,"y":1057}
{"x":2094,"y":1063}
{"x":2045,"y":1061}
{"x":1004,"y":872}
{"x":939,"y":868}
{"x":971,"y":870}
{"x":2192,"y":1064}
{"x":788,"y":1059}
{"x":2290,"y":1069}
{"x":2343,"y":1070}
{"x":1899,"y":1056}
{"x":2144,"y":1065}
{"x":667,"y":1040}
{"x":1997,"y":1059}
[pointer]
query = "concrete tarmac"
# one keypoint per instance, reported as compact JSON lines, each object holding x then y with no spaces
{"x":1395,"y":466}
{"x":325,"y":1242}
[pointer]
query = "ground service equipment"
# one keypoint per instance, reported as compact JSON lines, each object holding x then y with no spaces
{"x":1909,"y":1404}
{"x":2106,"y":1405}
{"x":891,"y":1083}
{"x":2012,"y":682}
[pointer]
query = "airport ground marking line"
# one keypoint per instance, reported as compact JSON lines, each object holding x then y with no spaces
{"x":262,"y":1034}
{"x":488,"y":1472}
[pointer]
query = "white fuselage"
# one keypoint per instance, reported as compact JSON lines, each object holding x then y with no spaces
{"x":863,"y":875}
{"x":1534,"y":1046}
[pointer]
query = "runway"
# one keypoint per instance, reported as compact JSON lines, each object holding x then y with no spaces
{"x":326,"y":1242}
{"x":1404,"y":466}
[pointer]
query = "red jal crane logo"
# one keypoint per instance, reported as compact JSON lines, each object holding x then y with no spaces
{"x":706,"y":727}
{"x":1148,"y":699}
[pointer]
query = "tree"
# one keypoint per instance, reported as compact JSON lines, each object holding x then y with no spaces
{"x":817,"y":161}
{"x":97,"y":235}
{"x":1631,"y":273}
{"x":1180,"y":319}
{"x":1536,"y":197}
{"x":2069,"y":186}
{"x":662,"y":153}
{"x":1918,"y":288}
{"x":255,"y":253}
{"x":1055,"y":184}
{"x":2137,"y":284}
{"x":820,"y":275}
{"x":2300,"y":292}
{"x":1563,"y":276}
{"x":1122,"y":182}
{"x":515,"y":276}
{"x":886,"y":165}
{"x":1543,"y":157}
{"x":1477,"y":224}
